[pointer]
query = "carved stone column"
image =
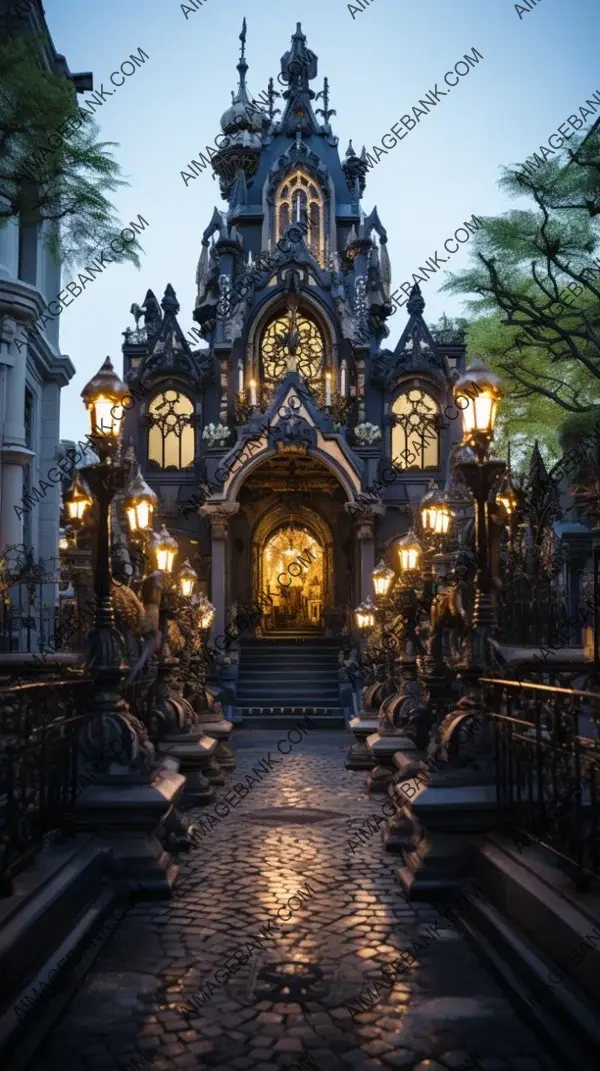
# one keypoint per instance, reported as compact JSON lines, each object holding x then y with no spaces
{"x":219,"y":516}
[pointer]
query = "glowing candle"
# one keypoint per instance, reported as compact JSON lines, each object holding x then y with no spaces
{"x":252,"y":392}
{"x":241,"y":379}
{"x":343,"y":381}
{"x":328,"y":388}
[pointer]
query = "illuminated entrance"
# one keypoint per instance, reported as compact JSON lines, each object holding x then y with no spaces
{"x":293,"y":575}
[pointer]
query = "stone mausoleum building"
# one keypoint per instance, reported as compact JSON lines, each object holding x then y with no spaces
{"x":293,"y":300}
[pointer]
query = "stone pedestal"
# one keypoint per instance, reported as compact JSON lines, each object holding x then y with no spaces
{"x":125,"y":810}
{"x":453,"y":814}
{"x":220,"y":730}
{"x":358,"y":756}
{"x":399,"y":835}
{"x":383,"y":747}
{"x":195,"y":755}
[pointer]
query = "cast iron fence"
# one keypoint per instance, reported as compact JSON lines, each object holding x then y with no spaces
{"x":547,"y":755}
{"x":39,"y":726}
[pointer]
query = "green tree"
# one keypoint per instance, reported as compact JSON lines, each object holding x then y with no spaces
{"x":52,"y":166}
{"x":534,"y":286}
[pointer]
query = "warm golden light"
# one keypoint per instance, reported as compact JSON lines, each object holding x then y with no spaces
{"x":206,"y":612}
{"x":63,"y":542}
{"x":77,"y":500}
{"x":477,"y":393}
{"x":187,"y":579}
{"x":409,"y":550}
{"x":383,"y":578}
{"x":365,"y":615}
{"x":165,"y":548}
{"x":140,"y":501}
{"x":436,"y":515}
{"x":509,"y":501}
{"x":103,"y":396}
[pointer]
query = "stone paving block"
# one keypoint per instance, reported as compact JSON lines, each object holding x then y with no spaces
{"x":296,"y":990}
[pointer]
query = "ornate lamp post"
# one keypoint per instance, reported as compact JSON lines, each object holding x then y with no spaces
{"x":111,"y":733}
{"x":481,"y":473}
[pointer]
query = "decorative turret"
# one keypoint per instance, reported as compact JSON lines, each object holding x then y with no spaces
{"x":298,"y":68}
{"x":416,"y":350}
{"x":355,"y":167}
{"x":243,"y":124}
{"x":169,"y":353}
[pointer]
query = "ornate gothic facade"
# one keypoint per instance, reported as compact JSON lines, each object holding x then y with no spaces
{"x":259,"y":442}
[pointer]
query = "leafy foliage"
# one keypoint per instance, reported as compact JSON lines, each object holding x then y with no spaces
{"x":540,"y":335}
{"x":68,"y":186}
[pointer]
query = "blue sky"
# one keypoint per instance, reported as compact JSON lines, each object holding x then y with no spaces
{"x":536,"y":71}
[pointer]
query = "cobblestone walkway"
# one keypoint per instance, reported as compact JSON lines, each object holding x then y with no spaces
{"x":287,"y":1005}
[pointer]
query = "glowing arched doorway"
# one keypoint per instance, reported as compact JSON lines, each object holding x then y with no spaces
{"x":293,"y":565}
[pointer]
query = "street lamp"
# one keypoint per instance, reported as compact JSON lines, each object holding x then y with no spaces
{"x":206,"y":612}
{"x":187,"y":579}
{"x":165,"y":548}
{"x":365,"y":615}
{"x":481,"y":390}
{"x":409,"y":552}
{"x":436,"y":515}
{"x":140,"y":503}
{"x":102,"y":396}
{"x":383,"y":578}
{"x":77,"y":500}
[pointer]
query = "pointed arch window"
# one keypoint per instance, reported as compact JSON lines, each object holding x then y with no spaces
{"x":292,"y":341}
{"x":300,"y":200}
{"x":415,"y":431}
{"x":171,"y":439}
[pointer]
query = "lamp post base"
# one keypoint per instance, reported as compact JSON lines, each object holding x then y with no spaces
{"x":124,"y":810}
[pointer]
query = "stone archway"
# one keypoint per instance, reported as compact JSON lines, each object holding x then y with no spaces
{"x":298,"y":602}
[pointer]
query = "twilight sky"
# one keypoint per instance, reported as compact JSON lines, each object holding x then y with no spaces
{"x":536,"y":71}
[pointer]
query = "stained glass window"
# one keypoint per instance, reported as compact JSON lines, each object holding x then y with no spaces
{"x":300,"y":201}
{"x":415,"y":431}
{"x":289,"y":338}
{"x":171,"y":435}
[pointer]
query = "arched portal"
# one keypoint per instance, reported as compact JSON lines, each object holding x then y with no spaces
{"x":293,"y":566}
{"x":292,"y":545}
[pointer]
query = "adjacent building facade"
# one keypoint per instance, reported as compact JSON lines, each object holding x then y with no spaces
{"x":301,"y":426}
{"x":32,"y":375}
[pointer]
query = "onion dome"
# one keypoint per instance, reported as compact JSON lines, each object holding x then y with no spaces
{"x":243,"y":125}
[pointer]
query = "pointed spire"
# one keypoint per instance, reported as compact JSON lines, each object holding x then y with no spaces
{"x":415,"y":305}
{"x":169,"y":303}
{"x":325,"y":111}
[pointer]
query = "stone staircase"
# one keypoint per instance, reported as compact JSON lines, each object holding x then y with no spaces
{"x":282,"y":679}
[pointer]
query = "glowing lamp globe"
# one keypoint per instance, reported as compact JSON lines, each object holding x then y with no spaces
{"x":477,"y":393}
{"x":206,"y":612}
{"x":165,"y":548}
{"x":436,"y":515}
{"x":365,"y":615}
{"x":409,"y":551}
{"x":382,"y":577}
{"x":140,"y":501}
{"x":187,"y":579}
{"x":77,"y":500}
{"x":103,"y":396}
{"x":63,"y":542}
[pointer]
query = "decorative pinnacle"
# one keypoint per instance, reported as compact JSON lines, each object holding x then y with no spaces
{"x":415,"y":304}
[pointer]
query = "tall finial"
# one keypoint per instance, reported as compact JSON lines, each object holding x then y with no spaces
{"x":326,"y":111}
{"x":272,"y":95}
{"x":243,"y":40}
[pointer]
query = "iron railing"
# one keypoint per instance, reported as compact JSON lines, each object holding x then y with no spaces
{"x":547,"y":754}
{"x":39,"y":727}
